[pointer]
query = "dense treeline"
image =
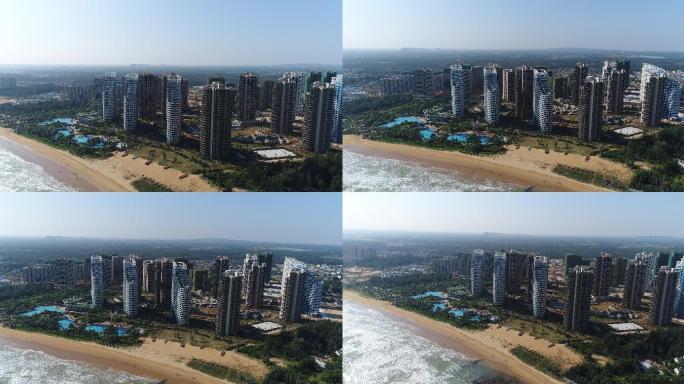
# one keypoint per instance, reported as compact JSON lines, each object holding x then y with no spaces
{"x":625,"y":352}
{"x":366,"y":104}
{"x":662,"y":150}
{"x":320,"y":173}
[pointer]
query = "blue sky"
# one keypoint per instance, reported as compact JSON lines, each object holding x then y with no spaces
{"x":305,"y":218}
{"x":173,"y":32}
{"x":514,"y":24}
{"x":577,"y":214}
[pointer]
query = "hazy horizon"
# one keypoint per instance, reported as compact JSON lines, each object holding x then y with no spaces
{"x":501,"y":24}
{"x":174,"y":32}
{"x":540,"y":214}
{"x":289,"y":218}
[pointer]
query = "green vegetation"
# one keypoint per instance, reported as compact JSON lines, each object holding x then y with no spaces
{"x":319,"y":173}
{"x":662,"y":150}
{"x":221,"y":372}
{"x":538,"y":361}
{"x":589,"y":177}
{"x":148,"y":185}
{"x":626,"y":351}
{"x":177,"y":158}
{"x":320,"y":338}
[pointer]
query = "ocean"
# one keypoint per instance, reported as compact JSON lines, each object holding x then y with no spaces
{"x":22,"y":366}
{"x":380,"y":350}
{"x":363,"y":173}
{"x":19,"y":175}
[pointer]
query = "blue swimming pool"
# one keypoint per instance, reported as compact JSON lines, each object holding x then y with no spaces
{"x":43,"y":309}
{"x":80,"y":139}
{"x":402,"y":120}
{"x":457,"y":312}
{"x":463,"y":137}
{"x":62,"y":120}
{"x":100,"y":329}
{"x":65,"y":324}
{"x":438,"y":307}
{"x":436,"y":294}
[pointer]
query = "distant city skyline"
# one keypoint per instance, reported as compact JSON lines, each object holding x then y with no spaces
{"x":629,"y":25}
{"x":544,"y":214}
{"x":293,"y":218}
{"x":171,"y":32}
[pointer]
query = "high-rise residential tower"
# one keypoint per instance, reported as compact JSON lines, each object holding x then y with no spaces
{"x":229,"y":299}
{"x":508,"y":84}
{"x":476,"y":272}
{"x":96,"y":281}
{"x":247,"y":97}
{"x":174,"y":109}
{"x":577,"y":77}
{"x":283,"y":108}
{"x":492,"y":96}
{"x":298,"y":80}
{"x":254,"y":281}
{"x":499,"y":279}
{"x":603,"y":275}
{"x":313,"y":294}
{"x":217,"y":113}
{"x":542,"y":104}
{"x":267,"y":259}
{"x":516,"y":263}
{"x":679,"y":294}
{"x":616,"y":83}
{"x":293,"y":294}
{"x":109,"y":97}
{"x":181,"y":293}
{"x":130,"y":287}
{"x":652,"y":94}
{"x":318,"y":122}
{"x":220,"y":265}
{"x":578,"y":299}
{"x":663,"y":299}
{"x":591,"y":108}
{"x":540,"y":278}
{"x":523,"y":92}
{"x":457,"y":91}
{"x":130,"y":102}
{"x":149,"y":91}
{"x":338,"y":83}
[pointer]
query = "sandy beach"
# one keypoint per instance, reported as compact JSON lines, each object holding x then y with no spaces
{"x":157,"y":360}
{"x":114,"y":174}
{"x":527,"y":168}
{"x":491,"y":345}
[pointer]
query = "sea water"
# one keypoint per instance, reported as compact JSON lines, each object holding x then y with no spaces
{"x":363,"y":173}
{"x":19,"y":175}
{"x":21,"y":366}
{"x":380,"y":350}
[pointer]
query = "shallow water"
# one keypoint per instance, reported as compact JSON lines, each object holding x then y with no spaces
{"x":19,"y":175}
{"x":380,"y":350}
{"x":363,"y":173}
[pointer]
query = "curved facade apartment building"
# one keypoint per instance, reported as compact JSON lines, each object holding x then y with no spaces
{"x":96,"y":281}
{"x":180,"y":293}
{"x":173,"y":108}
{"x":130,"y":287}
{"x":130,"y":102}
{"x":492,"y":96}
{"x":540,"y":278}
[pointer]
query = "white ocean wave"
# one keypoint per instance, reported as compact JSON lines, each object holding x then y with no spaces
{"x":22,"y":366}
{"x":379,"y":350}
{"x":18,"y":175}
{"x":364,"y":173}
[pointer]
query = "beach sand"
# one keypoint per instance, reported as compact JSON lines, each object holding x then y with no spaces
{"x":114,"y":174}
{"x":527,"y":168}
{"x":157,"y":360}
{"x":491,"y":345}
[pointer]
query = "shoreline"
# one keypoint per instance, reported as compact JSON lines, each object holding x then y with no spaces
{"x":151,"y":360}
{"x":517,"y":166}
{"x":488,"y":349}
{"x":114,"y":174}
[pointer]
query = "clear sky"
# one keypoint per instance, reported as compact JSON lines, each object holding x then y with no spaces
{"x":576,"y":214}
{"x":171,"y":32}
{"x":514,"y":24}
{"x":303,"y":218}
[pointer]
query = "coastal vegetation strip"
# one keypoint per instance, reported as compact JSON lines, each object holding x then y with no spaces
{"x":222,"y":372}
{"x":590,"y":177}
{"x":146,"y":184}
{"x":538,"y":361}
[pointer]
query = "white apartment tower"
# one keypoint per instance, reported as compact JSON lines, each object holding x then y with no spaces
{"x":130,"y":287}
{"x":174,"y":109}
{"x":499,"y":279}
{"x":492,"y":96}
{"x":476,"y":272}
{"x":180,"y":293}
{"x":130,"y":102}
{"x":540,"y":278}
{"x":96,"y":281}
{"x":109,"y":97}
{"x":457,"y":91}
{"x":542,"y":101}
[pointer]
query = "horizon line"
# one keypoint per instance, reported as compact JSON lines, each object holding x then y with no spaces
{"x":508,"y":49}
{"x":499,"y":233}
{"x":46,"y":237}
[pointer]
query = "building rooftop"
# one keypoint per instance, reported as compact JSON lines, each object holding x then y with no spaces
{"x":628,"y":131}
{"x":267,"y":326}
{"x":272,"y":154}
{"x":626,"y":327}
